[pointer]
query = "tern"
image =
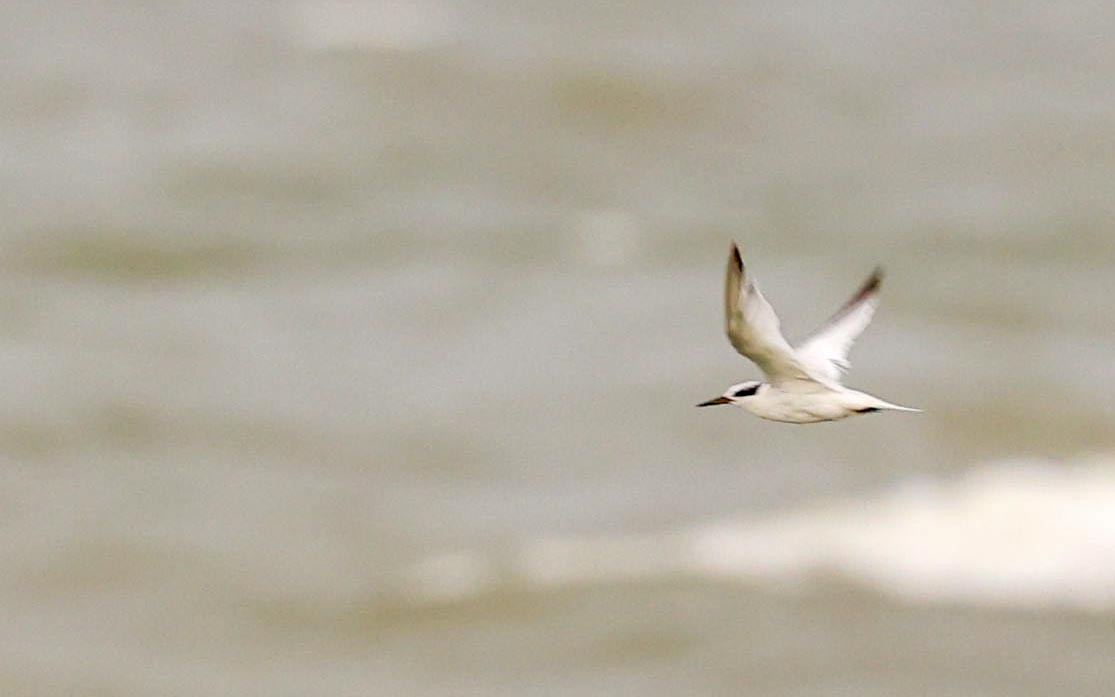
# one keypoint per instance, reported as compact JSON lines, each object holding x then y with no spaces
{"x":803,"y":384}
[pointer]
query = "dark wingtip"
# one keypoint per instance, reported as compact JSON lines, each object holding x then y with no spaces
{"x":735,"y":256}
{"x":872,"y":284}
{"x":869,"y":288}
{"x":876,"y":277}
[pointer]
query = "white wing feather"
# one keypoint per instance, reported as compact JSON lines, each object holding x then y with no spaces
{"x":753,"y":327}
{"x":825,"y":353}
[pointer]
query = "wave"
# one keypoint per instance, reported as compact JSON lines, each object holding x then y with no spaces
{"x":1016,"y":533}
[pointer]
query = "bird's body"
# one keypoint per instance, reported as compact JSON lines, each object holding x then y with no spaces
{"x":803,"y":383}
{"x":825,"y":404}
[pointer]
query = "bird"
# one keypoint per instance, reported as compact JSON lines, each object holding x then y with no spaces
{"x":804,"y":384}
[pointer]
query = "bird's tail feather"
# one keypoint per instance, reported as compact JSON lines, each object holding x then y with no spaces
{"x":896,"y":407}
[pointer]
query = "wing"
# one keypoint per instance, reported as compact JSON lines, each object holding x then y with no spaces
{"x":754,"y":329}
{"x":825,"y":352}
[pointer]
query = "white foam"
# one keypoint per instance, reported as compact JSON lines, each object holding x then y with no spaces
{"x":1017,"y":533}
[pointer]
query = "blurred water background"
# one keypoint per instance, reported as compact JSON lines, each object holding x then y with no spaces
{"x":352,"y":348}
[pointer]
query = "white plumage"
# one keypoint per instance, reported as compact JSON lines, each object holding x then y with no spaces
{"x":804,"y":383}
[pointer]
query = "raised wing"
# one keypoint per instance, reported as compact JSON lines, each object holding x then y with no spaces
{"x":754,"y":329}
{"x":825,"y":353}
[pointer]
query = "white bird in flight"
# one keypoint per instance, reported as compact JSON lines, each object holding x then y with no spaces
{"x":803,"y":383}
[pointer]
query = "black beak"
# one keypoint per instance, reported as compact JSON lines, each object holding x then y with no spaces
{"x":714,"y":402}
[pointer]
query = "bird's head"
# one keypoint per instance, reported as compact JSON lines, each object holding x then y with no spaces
{"x":735,"y":394}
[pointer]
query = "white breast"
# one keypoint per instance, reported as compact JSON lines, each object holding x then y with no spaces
{"x":798,"y":408}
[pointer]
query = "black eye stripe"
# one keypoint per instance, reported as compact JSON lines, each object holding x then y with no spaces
{"x":746,"y":391}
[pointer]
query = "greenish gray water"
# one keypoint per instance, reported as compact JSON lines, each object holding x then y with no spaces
{"x":352,"y":348}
